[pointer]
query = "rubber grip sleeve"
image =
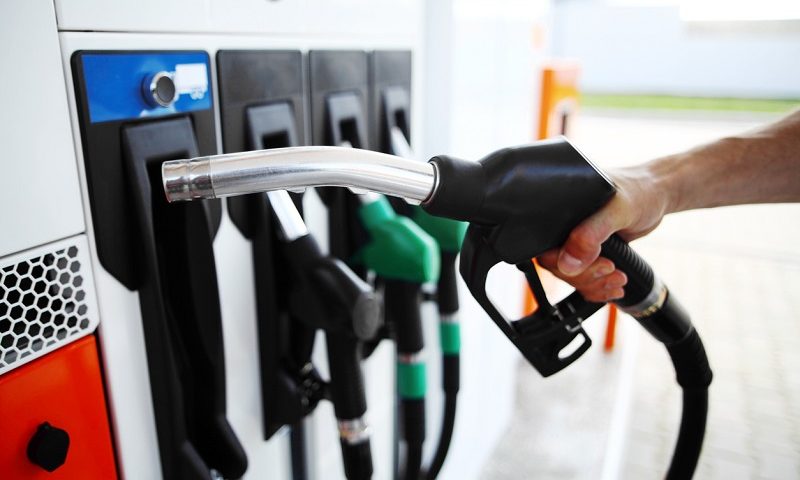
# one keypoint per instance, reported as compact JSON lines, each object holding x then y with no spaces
{"x":692,"y":368}
{"x":640,"y":276}
{"x":668,"y":322}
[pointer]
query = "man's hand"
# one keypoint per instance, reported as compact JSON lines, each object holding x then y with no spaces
{"x":635,"y":211}
{"x":761,"y":166}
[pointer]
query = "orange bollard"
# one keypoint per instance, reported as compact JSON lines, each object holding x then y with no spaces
{"x":559,"y":101}
{"x":559,"y":98}
{"x":611,"y":328}
{"x":529,"y":303}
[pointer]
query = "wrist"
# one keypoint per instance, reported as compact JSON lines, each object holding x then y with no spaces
{"x":665,"y":178}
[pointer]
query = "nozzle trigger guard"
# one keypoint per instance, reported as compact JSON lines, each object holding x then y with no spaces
{"x":542,"y":335}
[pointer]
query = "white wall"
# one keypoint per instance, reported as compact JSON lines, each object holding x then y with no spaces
{"x":633,"y":49}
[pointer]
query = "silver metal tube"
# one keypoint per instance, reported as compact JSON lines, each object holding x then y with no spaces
{"x":364,"y":196}
{"x":400,"y":146}
{"x":297,"y":168}
{"x":291,"y":223}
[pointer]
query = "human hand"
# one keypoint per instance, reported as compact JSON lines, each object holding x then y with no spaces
{"x":637,"y":208}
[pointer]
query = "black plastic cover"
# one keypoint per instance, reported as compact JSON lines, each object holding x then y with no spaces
{"x":334,"y":72}
{"x":165,"y":253}
{"x":339,"y":87}
{"x":390,"y":96}
{"x":261,"y":105}
{"x":260,"y":91}
{"x":116,"y":234}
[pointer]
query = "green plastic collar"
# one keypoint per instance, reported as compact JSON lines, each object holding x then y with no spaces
{"x":398,"y":248}
{"x":411,"y":380}
{"x":448,"y":233}
{"x":450,"y":338}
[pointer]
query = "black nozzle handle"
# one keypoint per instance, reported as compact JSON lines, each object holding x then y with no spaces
{"x":402,"y":302}
{"x":540,"y":337}
{"x":327,"y":293}
{"x":447,"y":288}
{"x":341,"y":287}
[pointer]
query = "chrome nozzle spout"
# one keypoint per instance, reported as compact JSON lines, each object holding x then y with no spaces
{"x":187,"y":179}
{"x":297,"y":168}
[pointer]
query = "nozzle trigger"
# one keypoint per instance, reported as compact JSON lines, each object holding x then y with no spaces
{"x":541,"y":336}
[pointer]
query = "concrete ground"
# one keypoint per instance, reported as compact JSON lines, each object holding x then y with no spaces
{"x":737,"y":271}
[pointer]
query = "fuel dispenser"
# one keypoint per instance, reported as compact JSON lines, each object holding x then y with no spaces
{"x":390,"y":105}
{"x":505,"y":226}
{"x":299,"y":289}
{"x":137,"y":110}
{"x":110,"y":293}
{"x":367,"y":232}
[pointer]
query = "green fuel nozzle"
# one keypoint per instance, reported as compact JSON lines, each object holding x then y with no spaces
{"x":397,"y":248}
{"x":404,"y":257}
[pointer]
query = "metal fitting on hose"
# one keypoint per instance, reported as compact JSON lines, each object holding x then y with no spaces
{"x":653,"y":302}
{"x":354,"y":431}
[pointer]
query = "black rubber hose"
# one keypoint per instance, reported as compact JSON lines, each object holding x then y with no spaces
{"x":297,"y":436}
{"x":414,"y":434}
{"x":449,"y":332}
{"x":402,"y":300}
{"x":669,"y":323}
{"x":448,"y":424}
{"x":690,"y":439}
{"x":413,"y":462}
{"x":349,"y":401}
{"x":694,"y":375}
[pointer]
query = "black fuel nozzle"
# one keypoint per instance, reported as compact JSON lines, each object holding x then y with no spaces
{"x":329,"y":296}
{"x":521,"y":202}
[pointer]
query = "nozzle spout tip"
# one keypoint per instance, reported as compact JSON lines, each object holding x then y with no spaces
{"x":185,"y":180}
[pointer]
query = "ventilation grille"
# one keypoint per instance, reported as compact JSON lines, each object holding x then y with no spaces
{"x":46,"y":301}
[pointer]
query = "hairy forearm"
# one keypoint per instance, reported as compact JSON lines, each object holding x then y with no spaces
{"x":762,"y":166}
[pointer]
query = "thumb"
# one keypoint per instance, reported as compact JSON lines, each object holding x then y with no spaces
{"x":583,"y":244}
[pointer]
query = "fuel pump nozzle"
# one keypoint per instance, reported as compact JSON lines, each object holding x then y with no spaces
{"x":326,"y":294}
{"x":520,"y":202}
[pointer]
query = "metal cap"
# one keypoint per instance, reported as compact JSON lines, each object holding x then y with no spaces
{"x":159,"y":89}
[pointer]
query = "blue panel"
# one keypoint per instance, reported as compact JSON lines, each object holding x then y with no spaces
{"x":114,"y":83}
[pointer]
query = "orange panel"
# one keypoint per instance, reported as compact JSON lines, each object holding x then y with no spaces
{"x":64,"y":389}
{"x":611,"y":328}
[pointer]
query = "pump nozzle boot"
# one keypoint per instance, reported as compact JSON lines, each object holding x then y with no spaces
{"x":328,"y":294}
